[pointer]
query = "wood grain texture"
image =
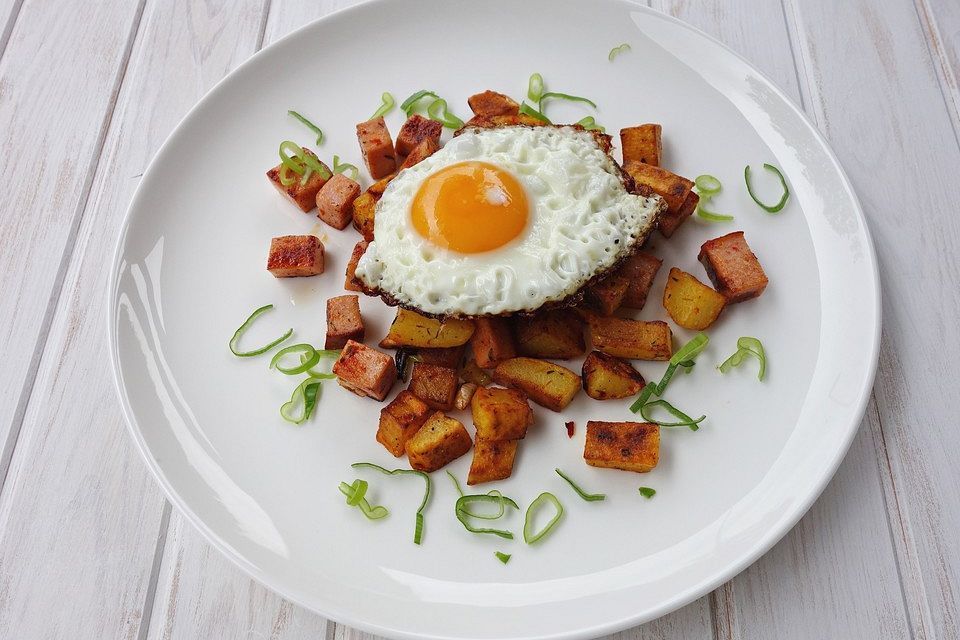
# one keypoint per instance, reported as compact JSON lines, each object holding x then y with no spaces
{"x":940,"y":20}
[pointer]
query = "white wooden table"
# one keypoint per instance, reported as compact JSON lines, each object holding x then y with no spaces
{"x":89,"y":548}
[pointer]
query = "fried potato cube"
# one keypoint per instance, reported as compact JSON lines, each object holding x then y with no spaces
{"x":335,"y":201}
{"x":642,"y":144}
{"x":440,"y":441}
{"x":376,"y":145}
{"x":609,"y":378}
{"x":631,"y":339}
{"x":672,"y":188}
{"x":492,"y":342}
{"x":426,"y":148}
{"x":344,"y":321}
{"x":691,"y":304}
{"x":414,"y":131}
{"x":554,"y":333}
{"x":733,"y":268}
{"x":630,"y":446}
{"x":351,"y":283}
{"x":492,"y":460}
{"x":449,"y":357}
{"x":365,"y":207}
{"x":295,"y":256}
{"x":491,"y":103}
{"x":435,"y":385}
{"x":410,"y":329}
{"x":607,"y":295}
{"x":670,"y":220}
{"x":500,"y":414}
{"x":639,"y":270}
{"x":365,"y":371}
{"x":302,"y":195}
{"x":378,"y":187}
{"x":546,"y":383}
{"x":400,"y":420}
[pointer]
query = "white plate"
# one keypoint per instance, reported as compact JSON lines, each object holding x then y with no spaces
{"x":190,"y":267}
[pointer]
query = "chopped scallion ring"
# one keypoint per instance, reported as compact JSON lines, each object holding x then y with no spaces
{"x":359,"y":492}
{"x":308,"y":358}
{"x":684,"y":357}
{"x":418,"y":526}
{"x":706,"y":214}
{"x":683,"y":420}
{"x":783,"y":182}
{"x":590,"y":124}
{"x":409,"y":105}
{"x":312,"y":162}
{"x":290,"y":157}
{"x":617,"y":51}
{"x":647,"y":492}
{"x":463,"y":513}
{"x":691,"y":349}
{"x":321,"y":375}
{"x":456,"y":483}
{"x":343,"y":167}
{"x":645,"y":394}
{"x":535,"y":87}
{"x":243,"y":328}
{"x":707,"y":184}
{"x":502,"y":557}
{"x":360,"y":487}
{"x":529,"y":535}
{"x":527,"y":110}
{"x":589,"y":497}
{"x":438,"y":111}
{"x":309,"y":125}
{"x":385,"y":107}
{"x":746,"y":346}
{"x":305,"y":394}
{"x":565,"y":96}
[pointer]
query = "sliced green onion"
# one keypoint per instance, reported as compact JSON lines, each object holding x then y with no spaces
{"x":456,"y":483}
{"x":647,"y":492}
{"x":783,"y":182}
{"x":529,"y":536}
{"x":418,"y":527}
{"x":309,"y":125}
{"x":683,"y":357}
{"x":438,"y":111}
{"x":691,"y":349}
{"x":565,"y":96}
{"x":527,"y":110}
{"x":351,"y":491}
{"x":285,"y":178}
{"x":499,"y":497}
{"x":321,"y":375}
{"x":683,"y":420}
{"x":590,"y":124}
{"x":243,"y":328}
{"x":385,"y":106}
{"x":343,"y":167}
{"x":502,"y":557}
{"x":409,"y":105}
{"x":645,"y":394}
{"x":589,"y":497}
{"x":308,"y":358}
{"x":305,"y":394}
{"x":746,"y":346}
{"x":617,"y":51}
{"x":463,"y":513}
{"x":535,"y":87}
{"x":712,"y":216}
{"x":313,"y":163}
{"x":290,"y":156}
{"x":707,"y":184}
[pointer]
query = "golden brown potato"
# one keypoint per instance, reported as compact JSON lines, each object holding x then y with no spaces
{"x":500,"y":414}
{"x":491,"y":103}
{"x":363,"y":209}
{"x":642,"y":144}
{"x":555,"y":333}
{"x":410,"y":329}
{"x":631,"y":339}
{"x":492,"y":342}
{"x":691,"y":304}
{"x":639,"y":270}
{"x":440,"y":441}
{"x":609,"y":378}
{"x":547,"y":384}
{"x":672,"y":188}
{"x":435,"y":385}
{"x":608,"y":294}
{"x":399,"y":420}
{"x":733,"y":268}
{"x":630,"y":446}
{"x":492,"y":460}
{"x":670,"y":220}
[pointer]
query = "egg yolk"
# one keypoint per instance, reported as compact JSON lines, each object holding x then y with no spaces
{"x":470,"y":207}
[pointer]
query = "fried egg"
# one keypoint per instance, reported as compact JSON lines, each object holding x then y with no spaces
{"x":501,"y":221}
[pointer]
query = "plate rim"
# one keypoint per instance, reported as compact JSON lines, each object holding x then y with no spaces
{"x":681,"y":599}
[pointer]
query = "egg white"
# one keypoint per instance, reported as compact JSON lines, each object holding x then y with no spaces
{"x":582,"y":222}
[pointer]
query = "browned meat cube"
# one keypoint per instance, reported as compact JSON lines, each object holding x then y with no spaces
{"x":365,"y":371}
{"x":343,"y":321}
{"x":608,"y":294}
{"x":377,"y":148}
{"x":400,"y":420}
{"x":630,"y":446}
{"x":639,"y":270}
{"x":414,"y":131}
{"x":491,"y":103}
{"x":302,"y":195}
{"x":435,"y":385}
{"x":335,"y":201}
{"x":295,"y":256}
{"x":492,"y":342}
{"x":449,"y":357}
{"x":425,"y":149}
{"x":670,"y":220}
{"x":733,"y":268}
{"x":439,"y":441}
{"x":351,"y":283}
